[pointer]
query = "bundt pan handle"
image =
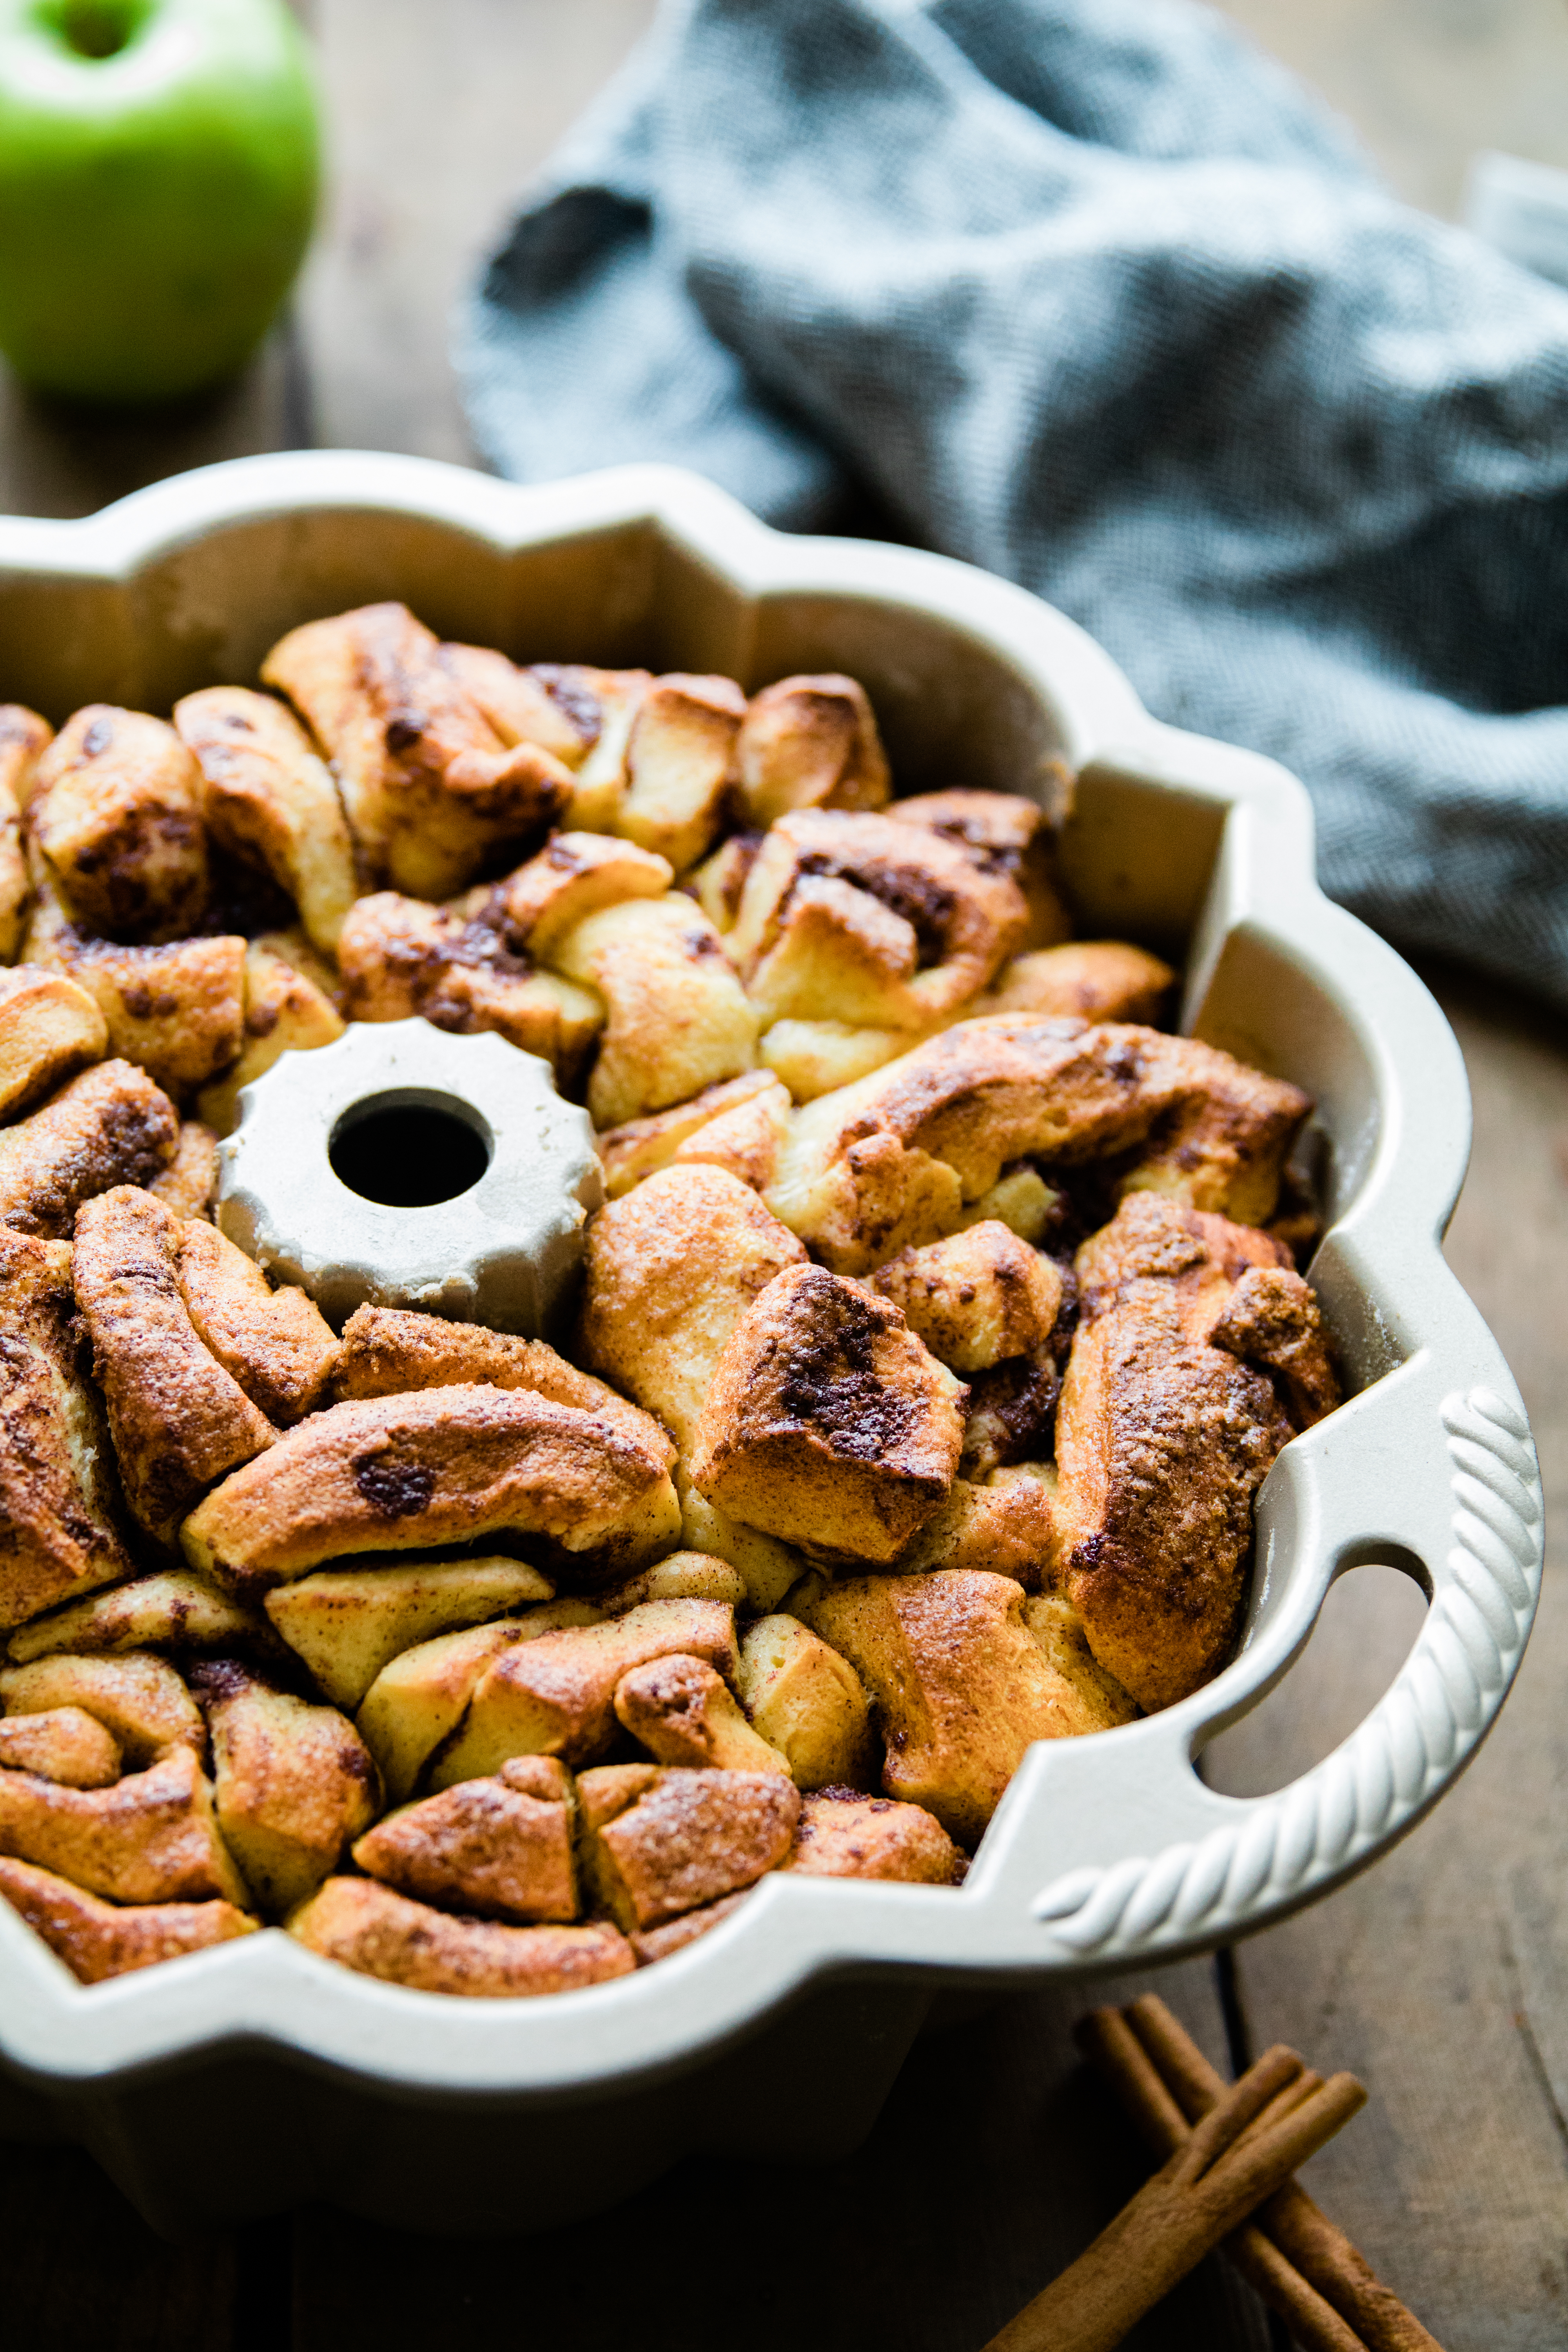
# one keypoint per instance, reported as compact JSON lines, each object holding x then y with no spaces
{"x":1123,"y":1855}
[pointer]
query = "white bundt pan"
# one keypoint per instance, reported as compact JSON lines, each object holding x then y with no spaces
{"x":781,"y":2032}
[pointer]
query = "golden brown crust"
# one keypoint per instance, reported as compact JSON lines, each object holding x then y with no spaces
{"x":178,"y":1419}
{"x":859,"y":919}
{"x":364,"y":1925}
{"x":63,"y":1744}
{"x":152,"y":1838}
{"x":683,"y":1713}
{"x":1095,"y":980}
{"x":400,"y":957}
{"x":555,"y":1695}
{"x":57,"y":1535}
{"x":660,"y":1943}
{"x":171,"y":1610}
{"x":979,"y":1297}
{"x":187,"y":1184}
{"x":269,"y":798}
{"x":275,"y":1343}
{"x":96,"y":1939}
{"x":1005,"y":1525}
{"x":349,"y":1623}
{"x":294,"y":1784}
{"x":139,"y":1699}
{"x":573,"y":876}
{"x":388,"y":1350}
{"x":962,"y":1687}
{"x":671,"y":1269}
{"x":810,"y":742}
{"x":678,"y":1018}
{"x":843,"y":1834}
{"x":115,"y":815}
{"x":111,"y":1126}
{"x":487,"y":1846}
{"x":687,"y":1839}
{"x":429,"y":788}
{"x":519,"y":703}
{"x":1162,"y":1440}
{"x":1273,"y":1321}
{"x":679,"y":756}
{"x":177,"y":1009}
{"x":444,"y":1465}
{"x":738,"y":1125}
{"x":49,"y":1028}
{"x":807,"y":1702}
{"x":24,"y":738}
{"x":826,"y":1422}
{"x":286,"y":1012}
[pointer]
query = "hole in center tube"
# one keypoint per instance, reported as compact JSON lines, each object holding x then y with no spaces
{"x":407,"y":1155}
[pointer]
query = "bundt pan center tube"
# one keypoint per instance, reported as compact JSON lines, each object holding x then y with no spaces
{"x":781,"y":2030}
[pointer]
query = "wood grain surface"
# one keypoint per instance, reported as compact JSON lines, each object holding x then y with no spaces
{"x":1441,"y":1976}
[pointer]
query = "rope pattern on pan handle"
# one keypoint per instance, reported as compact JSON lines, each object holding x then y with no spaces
{"x":1436,"y":1710}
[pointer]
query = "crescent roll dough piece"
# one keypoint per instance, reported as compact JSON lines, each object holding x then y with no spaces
{"x":111,"y":1126}
{"x":1002,"y":834}
{"x":527,"y":706}
{"x":270,"y":800}
{"x":671,"y":1269}
{"x":573,"y":876}
{"x":152,"y":1838}
{"x":96,"y":1939}
{"x":63,"y":1744}
{"x":810,"y":742}
{"x":139,"y":1700}
{"x":366,"y":1927}
{"x":683,"y":1713}
{"x":285,"y":1012}
{"x":348,"y":1624}
{"x":501,"y":1847}
{"x":842,"y":1835}
{"x":684,"y":1839}
{"x":178,"y":1419}
{"x":679,"y":761}
{"x":1095,"y":980}
{"x":678,"y":1019}
{"x":176,"y":1010}
{"x":430,"y":789}
{"x":977,"y":1297}
{"x":24,"y":738}
{"x":294,"y":1784}
{"x":48,"y":1028}
{"x":276,"y":1343}
{"x":172,"y":1609}
{"x":739,"y":1124}
{"x":388,"y":1350}
{"x":115,"y":814}
{"x":806,"y":1701}
{"x":57,"y":1534}
{"x":190,"y":1180}
{"x":444,"y":1465}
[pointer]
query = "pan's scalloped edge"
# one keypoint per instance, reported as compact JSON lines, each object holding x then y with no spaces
{"x":1282,"y":1849}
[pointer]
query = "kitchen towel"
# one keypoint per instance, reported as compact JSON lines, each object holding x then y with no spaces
{"x":1093,"y":294}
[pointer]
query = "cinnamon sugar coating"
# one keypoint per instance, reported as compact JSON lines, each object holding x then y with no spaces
{"x":98,"y":1939}
{"x":151,"y":1838}
{"x":276,"y":1343}
{"x":269,"y":799}
{"x":681,"y":1839}
{"x":114,"y":815}
{"x":843,"y":1834}
{"x":111,"y":1126}
{"x":499,"y":1846}
{"x":364,"y":1925}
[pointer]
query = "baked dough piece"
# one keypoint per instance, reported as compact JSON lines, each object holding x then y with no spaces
{"x":49,"y":1029}
{"x":1003,"y":1524}
{"x":115,"y":815}
{"x":893,"y":1159}
{"x":152,"y":1838}
{"x":139,"y":1699}
{"x":96,"y":1939}
{"x":178,"y":1419}
{"x":348,"y":1624}
{"x":556,"y":1695}
{"x":1097,"y":980}
{"x":366,"y":1927}
{"x":429,"y":788}
{"x":1004,"y":833}
{"x":58,"y":1536}
{"x":528,"y":706}
{"x":172,"y":1609}
{"x":388,"y":1350}
{"x":678,"y":1018}
{"x":660,"y":1943}
{"x":810,"y":742}
{"x":977,"y":1298}
{"x":843,"y":1834}
{"x":807,"y":1702}
{"x":63,"y":1744}
{"x":294,"y":1784}
{"x":422,"y":1696}
{"x":658,"y":1842}
{"x":684,"y":1576}
{"x":739,"y":1124}
{"x":190,"y":1180}
{"x":1163,"y":1438}
{"x":401,"y":957}
{"x":111,"y":1126}
{"x":285,"y":1012}
{"x":826,"y":1422}
{"x":269,"y":798}
{"x":683,"y":1713}
{"x":443,"y":1466}
{"x":276,"y":1343}
{"x":679,"y":756}
{"x":503,"y":1847}
{"x":176,"y":1010}
{"x":963,"y":1687}
{"x":671,"y":1269}
{"x":24,"y":738}
{"x":862,"y":919}
{"x":574,"y":875}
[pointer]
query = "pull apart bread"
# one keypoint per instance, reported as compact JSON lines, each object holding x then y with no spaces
{"x":939,"y":1327}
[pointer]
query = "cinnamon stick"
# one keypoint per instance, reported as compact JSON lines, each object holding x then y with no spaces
{"x":1321,"y":2256}
{"x":1116,"y":2051}
{"x":1246,"y":2145}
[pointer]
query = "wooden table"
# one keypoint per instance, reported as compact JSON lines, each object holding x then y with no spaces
{"x":1441,"y":1977}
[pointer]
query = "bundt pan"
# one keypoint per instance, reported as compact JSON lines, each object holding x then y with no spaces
{"x":780,"y":2032}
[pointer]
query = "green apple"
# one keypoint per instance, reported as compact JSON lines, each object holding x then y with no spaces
{"x":158,"y":177}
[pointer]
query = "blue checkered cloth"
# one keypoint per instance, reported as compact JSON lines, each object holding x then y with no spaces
{"x":1091,"y":293}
